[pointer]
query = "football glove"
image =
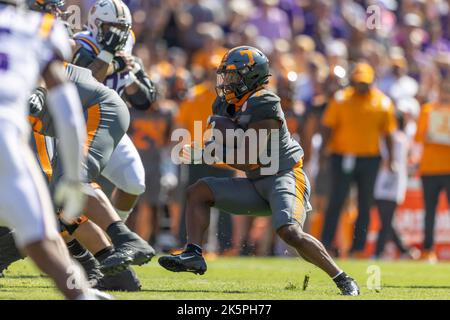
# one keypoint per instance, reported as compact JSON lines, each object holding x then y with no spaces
{"x":122,"y":62}
{"x":114,"y":40}
{"x":36,"y":101}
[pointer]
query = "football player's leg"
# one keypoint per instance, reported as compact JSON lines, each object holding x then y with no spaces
{"x":106,"y":123}
{"x":338,"y":192}
{"x":233,"y":195}
{"x":126,"y":171}
{"x":129,"y":247}
{"x":89,"y":245}
{"x":144,"y":218}
{"x":26,"y":207}
{"x":289,"y":201}
{"x":91,"y":236}
{"x":83,"y":238}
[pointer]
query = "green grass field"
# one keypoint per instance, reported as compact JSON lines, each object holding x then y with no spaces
{"x":253,"y":278}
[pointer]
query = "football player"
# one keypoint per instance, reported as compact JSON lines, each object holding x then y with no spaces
{"x":83,"y":229}
{"x":106,"y":49}
{"x":34,"y":46}
{"x":107,"y":119}
{"x":284,"y":194}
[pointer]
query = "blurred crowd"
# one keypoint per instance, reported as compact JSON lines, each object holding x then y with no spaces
{"x":313,"y":46}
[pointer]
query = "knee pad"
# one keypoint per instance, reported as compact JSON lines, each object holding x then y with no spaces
{"x":70,"y":228}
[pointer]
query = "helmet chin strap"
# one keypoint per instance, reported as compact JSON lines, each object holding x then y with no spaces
{"x":238,"y":102}
{"x":99,"y":36}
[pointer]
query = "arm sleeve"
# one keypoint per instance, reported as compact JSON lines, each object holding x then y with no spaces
{"x":65,"y":107}
{"x":83,"y":57}
{"x":146,"y":94}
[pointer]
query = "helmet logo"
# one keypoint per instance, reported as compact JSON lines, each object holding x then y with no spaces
{"x":249,"y":54}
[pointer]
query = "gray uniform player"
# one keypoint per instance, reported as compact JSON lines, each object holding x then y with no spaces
{"x":105,"y":47}
{"x":106,"y":115}
{"x":275,"y":185}
{"x":107,"y":119}
{"x":33,"y":47}
{"x":284,"y":194}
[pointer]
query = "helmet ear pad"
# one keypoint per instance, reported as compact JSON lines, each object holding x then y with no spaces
{"x":99,"y":26}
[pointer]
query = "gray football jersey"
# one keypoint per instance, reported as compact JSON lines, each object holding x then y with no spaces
{"x":91,"y":93}
{"x":261,"y":106}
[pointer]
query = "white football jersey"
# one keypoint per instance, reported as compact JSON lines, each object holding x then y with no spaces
{"x":117,"y":81}
{"x":29,"y":42}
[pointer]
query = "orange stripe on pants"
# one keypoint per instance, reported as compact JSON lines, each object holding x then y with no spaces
{"x":300,"y":189}
{"x":44,"y":159}
{"x":92,"y":123}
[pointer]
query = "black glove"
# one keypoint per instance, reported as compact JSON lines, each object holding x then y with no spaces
{"x":37,"y":101}
{"x":114,"y":40}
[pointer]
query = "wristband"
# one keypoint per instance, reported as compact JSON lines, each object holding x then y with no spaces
{"x":105,"y":56}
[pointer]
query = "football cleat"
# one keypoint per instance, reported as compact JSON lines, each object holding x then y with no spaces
{"x":92,"y":268}
{"x":348,"y":287}
{"x":184,"y":262}
{"x":134,"y":252}
{"x":124,"y":281}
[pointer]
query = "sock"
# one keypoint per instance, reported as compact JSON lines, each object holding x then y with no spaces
{"x":340,"y":276}
{"x":76,"y":249}
{"x":86,"y":260}
{"x":194,"y":248}
{"x":119,"y":233}
{"x":104,"y":253}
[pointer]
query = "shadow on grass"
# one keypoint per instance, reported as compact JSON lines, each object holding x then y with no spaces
{"x":416,"y":287}
{"x":194,"y":291}
{"x":7,"y":276}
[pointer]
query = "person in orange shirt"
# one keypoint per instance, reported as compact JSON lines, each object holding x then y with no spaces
{"x":433,"y":132}
{"x":355,"y":120}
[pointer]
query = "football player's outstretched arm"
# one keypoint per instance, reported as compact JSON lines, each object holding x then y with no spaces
{"x":100,"y":69}
{"x":102,"y":65}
